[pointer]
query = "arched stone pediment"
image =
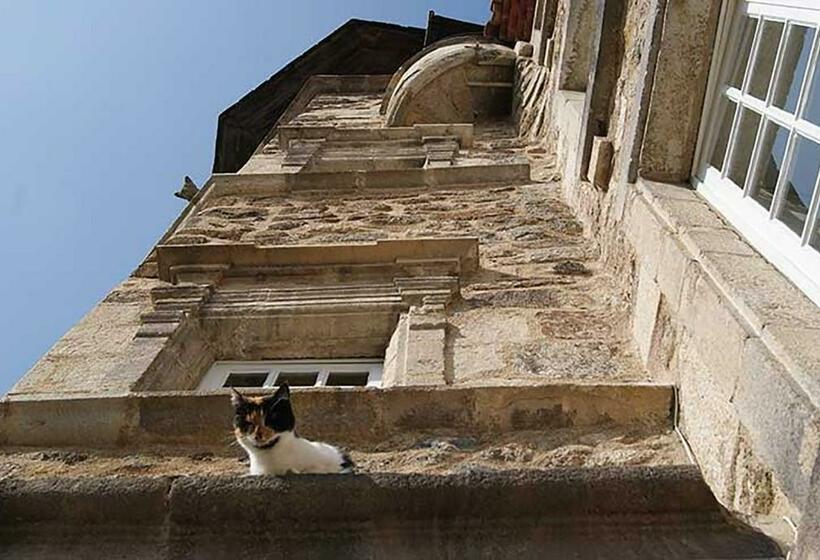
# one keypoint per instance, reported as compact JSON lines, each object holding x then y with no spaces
{"x":455,"y":83}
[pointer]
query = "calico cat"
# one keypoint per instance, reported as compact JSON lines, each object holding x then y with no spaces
{"x":264,"y":428}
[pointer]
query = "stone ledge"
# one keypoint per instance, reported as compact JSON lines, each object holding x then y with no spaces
{"x":585,"y":513}
{"x":756,"y":335}
{"x":222,"y":258}
{"x":359,"y":415}
{"x":769,"y":306}
{"x":201,"y":501}
{"x":488,"y":173}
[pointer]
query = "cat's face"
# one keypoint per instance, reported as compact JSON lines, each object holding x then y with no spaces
{"x":258,"y":421}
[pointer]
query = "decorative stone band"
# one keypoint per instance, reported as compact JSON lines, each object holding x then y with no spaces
{"x":314,"y":149}
{"x":508,"y":172}
{"x":208,"y":263}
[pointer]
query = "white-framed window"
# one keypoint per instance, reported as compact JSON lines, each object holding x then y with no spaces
{"x":298,"y":373}
{"x":759,"y":149}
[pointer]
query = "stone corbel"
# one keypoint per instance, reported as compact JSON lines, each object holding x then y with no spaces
{"x":416,"y":354}
{"x":171,"y":306}
{"x":441,"y":151}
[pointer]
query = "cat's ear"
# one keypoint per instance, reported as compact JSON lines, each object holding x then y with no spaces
{"x":236,"y":398}
{"x":283,"y":392}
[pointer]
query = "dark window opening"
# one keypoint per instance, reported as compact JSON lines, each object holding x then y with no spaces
{"x":246,"y":380}
{"x":355,"y":378}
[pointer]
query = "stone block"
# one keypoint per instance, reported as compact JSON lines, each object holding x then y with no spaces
{"x":672,"y":267}
{"x":646,"y":233}
{"x":781,"y":421}
{"x":682,"y":215}
{"x":808,"y":533}
{"x":708,"y":420}
{"x":682,"y":66}
{"x":711,"y":243}
{"x":798,"y":348}
{"x":600,"y":162}
{"x":647,"y":299}
{"x":761,"y":294}
{"x":523,"y":49}
{"x":716,"y":331}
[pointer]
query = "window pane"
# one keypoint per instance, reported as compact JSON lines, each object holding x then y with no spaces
{"x":297,"y":378}
{"x":726,"y":114}
{"x":246,"y":379}
{"x":800,"y":186}
{"x":745,"y":48}
{"x":815,"y":238}
{"x":793,"y":67}
{"x":358,"y":378}
{"x":765,"y":57}
{"x":812,"y":110}
{"x":769,"y":163}
{"x":744,"y":142}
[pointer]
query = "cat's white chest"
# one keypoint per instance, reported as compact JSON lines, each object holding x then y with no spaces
{"x":297,"y":455}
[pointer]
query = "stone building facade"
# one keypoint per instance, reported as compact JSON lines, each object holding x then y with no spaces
{"x":570,"y":342}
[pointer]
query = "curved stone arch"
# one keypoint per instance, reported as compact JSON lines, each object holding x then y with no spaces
{"x":453,"y":83}
{"x":452,"y":40}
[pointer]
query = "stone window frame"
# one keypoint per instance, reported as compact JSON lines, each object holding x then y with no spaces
{"x":792,"y":254}
{"x":220,"y":371}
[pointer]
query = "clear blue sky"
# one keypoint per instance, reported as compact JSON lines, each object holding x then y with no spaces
{"x":104,"y":107}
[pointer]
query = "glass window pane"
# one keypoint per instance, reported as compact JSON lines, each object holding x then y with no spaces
{"x":800,"y":186}
{"x":765,"y":57}
{"x":246,"y":379}
{"x":772,"y":151}
{"x":812,"y":110}
{"x":749,"y":26}
{"x":793,"y":67}
{"x":353,"y":378}
{"x":743,"y":144}
{"x":725,"y":116}
{"x":297,"y":378}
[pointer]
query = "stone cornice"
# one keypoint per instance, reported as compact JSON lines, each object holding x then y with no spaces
{"x":206,"y":264}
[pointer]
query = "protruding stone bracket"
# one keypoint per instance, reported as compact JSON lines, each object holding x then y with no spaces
{"x":301,"y":153}
{"x":441,"y":151}
{"x":172,"y":305}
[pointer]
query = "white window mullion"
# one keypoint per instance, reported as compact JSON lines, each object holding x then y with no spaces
{"x":811,"y":68}
{"x":750,"y":64}
{"x":783,"y":179}
{"x":781,"y":47}
{"x":751,"y":173}
{"x":811,"y":215}
{"x":730,"y":146}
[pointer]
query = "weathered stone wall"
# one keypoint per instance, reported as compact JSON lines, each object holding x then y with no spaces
{"x":708,"y":313}
{"x":538,"y":309}
{"x":99,"y":354}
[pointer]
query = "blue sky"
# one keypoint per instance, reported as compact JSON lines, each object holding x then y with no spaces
{"x":104,"y":107}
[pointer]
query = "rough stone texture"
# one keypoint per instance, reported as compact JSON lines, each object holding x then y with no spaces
{"x":522,"y":284}
{"x":437,"y":452}
{"x":578,"y":512}
{"x":707,"y":312}
{"x":361,"y":416}
{"x":677,"y":95}
{"x":94,"y":354}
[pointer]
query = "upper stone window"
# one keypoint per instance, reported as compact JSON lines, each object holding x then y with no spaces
{"x":760,"y":148}
{"x":297,"y":373}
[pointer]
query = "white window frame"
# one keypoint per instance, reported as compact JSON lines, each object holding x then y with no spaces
{"x":219,"y":372}
{"x":789,"y":252}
